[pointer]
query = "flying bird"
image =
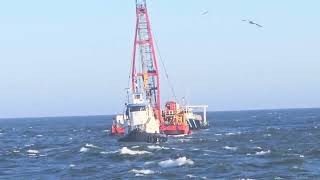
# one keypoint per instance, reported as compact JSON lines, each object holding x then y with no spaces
{"x":252,"y":22}
{"x":204,"y":12}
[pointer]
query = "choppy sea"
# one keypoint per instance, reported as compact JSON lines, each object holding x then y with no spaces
{"x":267,"y":144}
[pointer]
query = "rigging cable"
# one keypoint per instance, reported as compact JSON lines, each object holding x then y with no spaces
{"x":165,"y":70}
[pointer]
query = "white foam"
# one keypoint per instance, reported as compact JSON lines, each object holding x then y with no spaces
{"x":263,"y":153}
{"x":142,"y":171}
{"x":107,"y":130}
{"x":230,"y":148}
{"x":218,"y":134}
{"x":177,"y":162}
{"x":84,"y":149}
{"x":302,"y":156}
{"x":108,"y":152}
{"x":32,"y":151}
{"x":258,"y":147}
{"x":16,"y":151}
{"x":128,"y":151}
{"x":233,"y":133}
{"x":135,"y":147}
{"x":178,"y":149}
{"x":91,"y":146}
{"x":157,"y":147}
{"x":29,"y":145}
{"x":72,"y":165}
{"x":191,"y":176}
{"x":148,"y":163}
{"x":39,"y":135}
{"x":180,"y":135}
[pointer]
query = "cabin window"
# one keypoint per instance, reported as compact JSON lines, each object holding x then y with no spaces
{"x":137,"y":108}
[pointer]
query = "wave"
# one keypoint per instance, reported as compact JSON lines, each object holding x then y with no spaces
{"x":39,"y":135}
{"x":92,"y":146}
{"x":233,"y":133}
{"x":157,"y":147}
{"x":128,"y":151}
{"x":142,"y":172}
{"x":180,"y":135}
{"x":174,"y":163}
{"x":32,"y":151}
{"x":260,"y":153}
{"x":84,"y":149}
{"x":230,"y":148}
{"x":191,"y":176}
{"x":108,"y":152}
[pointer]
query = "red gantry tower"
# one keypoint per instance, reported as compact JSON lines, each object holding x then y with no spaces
{"x":145,"y":73}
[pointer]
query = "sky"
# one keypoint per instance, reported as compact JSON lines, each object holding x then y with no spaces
{"x":68,"y":58}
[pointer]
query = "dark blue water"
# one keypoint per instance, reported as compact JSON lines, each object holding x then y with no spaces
{"x":273,"y":144}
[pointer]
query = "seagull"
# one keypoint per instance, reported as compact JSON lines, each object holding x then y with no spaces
{"x":204,"y":12}
{"x":252,"y":22}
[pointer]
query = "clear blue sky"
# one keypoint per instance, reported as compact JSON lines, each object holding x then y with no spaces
{"x":72,"y":57}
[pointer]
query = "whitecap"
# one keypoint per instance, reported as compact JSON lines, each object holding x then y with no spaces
{"x":218,"y":134}
{"x":135,"y":147}
{"x":91,"y":146}
{"x":180,"y":135}
{"x":263,"y":152}
{"x":128,"y":151}
{"x":29,"y":145}
{"x":233,"y":133}
{"x":157,"y":147}
{"x":107,"y":130}
{"x":191,"y":176}
{"x":72,"y":165}
{"x":178,"y":149}
{"x":302,"y":156}
{"x":148,"y":163}
{"x":108,"y":152}
{"x":177,"y":162}
{"x":84,"y":149}
{"x":229,"y":134}
{"x":32,"y":151}
{"x":258,"y":147}
{"x":39,"y":135}
{"x":230,"y":148}
{"x":16,"y":151}
{"x":142,"y":171}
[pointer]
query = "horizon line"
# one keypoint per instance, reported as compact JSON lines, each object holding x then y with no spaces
{"x":92,"y":115}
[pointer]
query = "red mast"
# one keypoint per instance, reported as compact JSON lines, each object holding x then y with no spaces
{"x":145,"y":73}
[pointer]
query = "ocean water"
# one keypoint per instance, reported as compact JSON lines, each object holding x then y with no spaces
{"x":270,"y":144}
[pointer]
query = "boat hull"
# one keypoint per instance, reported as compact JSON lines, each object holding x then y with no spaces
{"x":117,"y":131}
{"x":140,"y":136}
{"x":175,"y":129}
